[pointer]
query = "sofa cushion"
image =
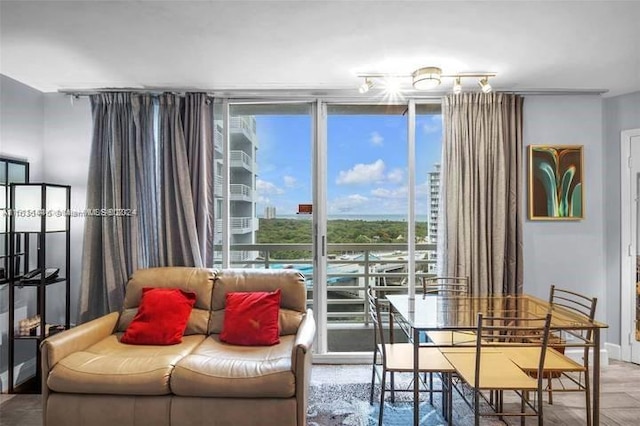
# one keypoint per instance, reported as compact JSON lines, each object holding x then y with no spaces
{"x":196,"y":280}
{"x":161,"y":318}
{"x":251,"y":318}
{"x":217,"y":369}
{"x":112,"y":367}
{"x":293,"y":299}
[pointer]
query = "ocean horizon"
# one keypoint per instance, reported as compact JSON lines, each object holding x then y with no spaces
{"x":365,"y":217}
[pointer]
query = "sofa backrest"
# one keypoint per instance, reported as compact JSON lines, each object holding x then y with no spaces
{"x":290,"y":282}
{"x":197,"y":280}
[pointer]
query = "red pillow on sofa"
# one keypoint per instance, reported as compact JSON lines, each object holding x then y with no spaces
{"x":251,"y":318}
{"x":162,"y":317}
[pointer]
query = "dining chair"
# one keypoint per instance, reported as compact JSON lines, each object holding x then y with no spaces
{"x":488,"y":372}
{"x":391,"y":357}
{"x":450,"y":286}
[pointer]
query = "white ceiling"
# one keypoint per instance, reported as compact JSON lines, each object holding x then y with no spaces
{"x":318,"y":45}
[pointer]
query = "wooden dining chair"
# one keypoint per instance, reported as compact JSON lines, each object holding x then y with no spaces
{"x":390,"y":357}
{"x":488,"y":372}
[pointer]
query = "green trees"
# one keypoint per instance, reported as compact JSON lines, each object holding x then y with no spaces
{"x":283,"y":231}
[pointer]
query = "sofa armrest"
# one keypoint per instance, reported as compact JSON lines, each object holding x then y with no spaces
{"x":301,"y":363}
{"x":58,"y":346}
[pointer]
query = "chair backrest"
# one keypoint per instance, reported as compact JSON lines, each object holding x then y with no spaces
{"x":446,"y":286}
{"x":375,"y":312}
{"x":576,"y":304}
{"x":512,"y":332}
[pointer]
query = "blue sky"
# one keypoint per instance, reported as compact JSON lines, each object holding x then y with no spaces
{"x":366,"y":162}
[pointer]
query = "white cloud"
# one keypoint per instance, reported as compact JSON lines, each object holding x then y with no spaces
{"x":396,"y":193}
{"x":376,"y":139}
{"x":362,"y":173}
{"x":395,"y":176}
{"x":267,"y":188}
{"x":289,"y":181}
{"x":347,"y":204}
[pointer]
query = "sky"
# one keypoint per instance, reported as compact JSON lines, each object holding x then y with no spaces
{"x":366,"y":163}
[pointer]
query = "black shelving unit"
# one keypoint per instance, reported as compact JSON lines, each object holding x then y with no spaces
{"x":40,"y":218}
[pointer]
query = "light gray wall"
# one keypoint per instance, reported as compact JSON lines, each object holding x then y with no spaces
{"x":21,"y":138}
{"x":619,"y":113}
{"x":569,"y":254}
{"x":66,"y":150}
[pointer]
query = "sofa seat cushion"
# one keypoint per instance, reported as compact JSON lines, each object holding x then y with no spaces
{"x":111,"y":367}
{"x":217,"y":369}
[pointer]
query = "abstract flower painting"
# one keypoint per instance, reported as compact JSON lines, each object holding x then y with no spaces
{"x":555,"y":182}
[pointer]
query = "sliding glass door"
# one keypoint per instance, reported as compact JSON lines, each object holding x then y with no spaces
{"x":324,"y":188}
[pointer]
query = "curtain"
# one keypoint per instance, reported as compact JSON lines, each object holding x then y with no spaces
{"x":122,"y":138}
{"x":153,"y":155}
{"x":198,"y":130}
{"x":480,"y":229}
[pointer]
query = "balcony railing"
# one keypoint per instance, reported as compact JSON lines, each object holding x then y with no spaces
{"x":246,"y":125}
{"x":241,"y":192}
{"x":351,"y":268}
{"x":239,"y":225}
{"x":242,"y":159}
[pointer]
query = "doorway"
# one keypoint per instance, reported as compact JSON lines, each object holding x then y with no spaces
{"x":630,"y":245}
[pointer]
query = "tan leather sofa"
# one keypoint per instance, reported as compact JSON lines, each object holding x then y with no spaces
{"x":90,"y":378}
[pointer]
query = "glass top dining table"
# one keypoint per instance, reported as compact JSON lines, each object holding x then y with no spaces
{"x":437,"y":312}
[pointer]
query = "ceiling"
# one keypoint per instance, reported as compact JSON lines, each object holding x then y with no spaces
{"x":318,"y":45}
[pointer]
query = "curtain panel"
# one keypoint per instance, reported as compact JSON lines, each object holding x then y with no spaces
{"x":153,"y":155}
{"x":480,"y":218}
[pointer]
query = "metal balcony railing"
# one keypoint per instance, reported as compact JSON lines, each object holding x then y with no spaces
{"x":245,"y":125}
{"x":242,"y":159}
{"x":241,"y":192}
{"x":351,"y":268}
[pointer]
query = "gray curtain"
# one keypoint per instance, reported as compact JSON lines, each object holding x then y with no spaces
{"x":153,"y":155}
{"x":122,"y":140}
{"x":177,"y":234}
{"x":480,"y":229}
{"x":198,"y":131}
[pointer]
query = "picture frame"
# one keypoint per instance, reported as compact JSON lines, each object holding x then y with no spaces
{"x":556,"y":182}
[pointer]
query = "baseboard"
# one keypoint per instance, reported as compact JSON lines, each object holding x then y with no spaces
{"x":27,"y":368}
{"x":343,"y":358}
{"x":576,"y":354}
{"x":614,"y":351}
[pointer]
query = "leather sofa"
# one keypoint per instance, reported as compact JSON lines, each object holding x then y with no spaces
{"x":91,"y":378}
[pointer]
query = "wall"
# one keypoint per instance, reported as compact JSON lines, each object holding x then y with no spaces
{"x":569,"y":254}
{"x":619,"y":113}
{"x":67,"y":148}
{"x":21,"y":138}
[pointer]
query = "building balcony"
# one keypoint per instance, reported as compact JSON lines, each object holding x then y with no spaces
{"x":239,"y":225}
{"x":240,"y":192}
{"x":246,"y":126}
{"x":243,"y":160}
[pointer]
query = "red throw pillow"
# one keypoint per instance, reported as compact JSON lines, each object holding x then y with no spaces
{"x":162,"y":317}
{"x":251,"y":318}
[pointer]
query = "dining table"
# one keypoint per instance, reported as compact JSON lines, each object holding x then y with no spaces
{"x":421,"y":314}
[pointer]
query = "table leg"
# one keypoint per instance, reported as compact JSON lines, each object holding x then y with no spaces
{"x":596,"y":377}
{"x":416,"y":377}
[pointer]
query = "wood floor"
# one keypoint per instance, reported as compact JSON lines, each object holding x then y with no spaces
{"x":619,"y":398}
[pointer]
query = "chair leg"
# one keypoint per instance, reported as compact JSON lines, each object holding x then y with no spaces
{"x":587,"y":392}
{"x":540,"y":410}
{"x":549,"y":387}
{"x":522,"y":407}
{"x":393,"y":387}
{"x":373,"y":376}
{"x":476,"y":407}
{"x":382,"y":388}
{"x":431,"y":388}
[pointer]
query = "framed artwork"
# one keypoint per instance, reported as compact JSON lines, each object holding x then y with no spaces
{"x":556,"y":189}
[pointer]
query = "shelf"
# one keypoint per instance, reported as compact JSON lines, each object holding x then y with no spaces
{"x":19,"y":283}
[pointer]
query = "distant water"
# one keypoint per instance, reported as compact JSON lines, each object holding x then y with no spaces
{"x":366,"y":217}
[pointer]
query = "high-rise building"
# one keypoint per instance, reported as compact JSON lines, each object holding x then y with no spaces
{"x":434,"y":202}
{"x":243,"y":173}
{"x":270,"y":212}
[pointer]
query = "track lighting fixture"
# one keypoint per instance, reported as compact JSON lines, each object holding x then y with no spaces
{"x":425,"y":78}
{"x":484,"y":85}
{"x":364,"y":88}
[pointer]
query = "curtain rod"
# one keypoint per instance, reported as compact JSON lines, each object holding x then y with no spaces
{"x":314,"y":94}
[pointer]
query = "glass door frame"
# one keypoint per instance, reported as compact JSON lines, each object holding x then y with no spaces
{"x":318,"y":111}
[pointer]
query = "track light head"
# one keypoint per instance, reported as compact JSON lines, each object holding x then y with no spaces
{"x":484,"y":85}
{"x":364,"y":88}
